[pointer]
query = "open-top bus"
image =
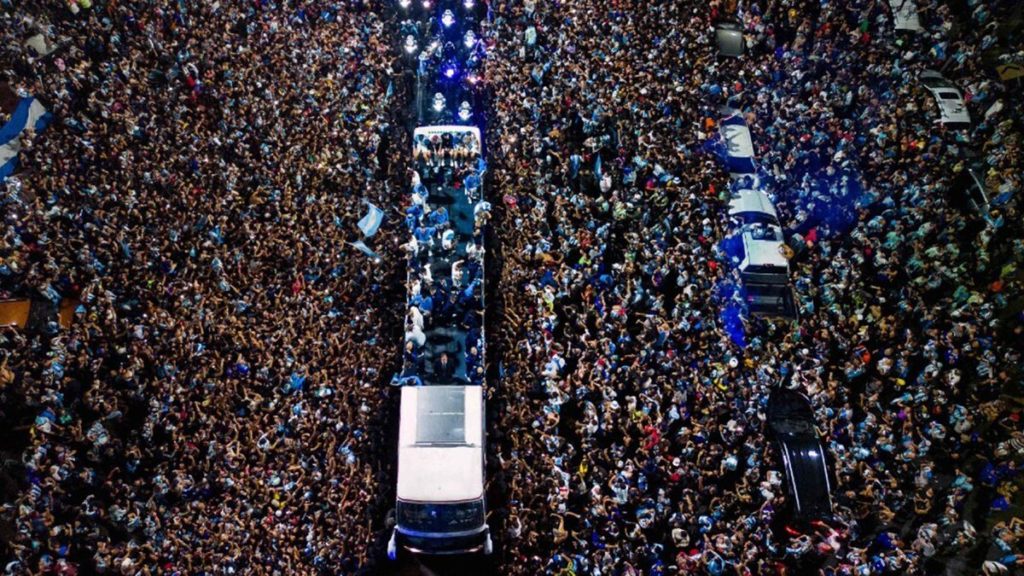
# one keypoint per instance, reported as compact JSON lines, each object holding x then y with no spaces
{"x":440,"y":492}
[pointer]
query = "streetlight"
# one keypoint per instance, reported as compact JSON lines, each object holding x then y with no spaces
{"x":450,"y":70}
{"x":448,"y":18}
{"x":465,"y":113}
{"x":438,"y":102}
{"x":410,"y":44}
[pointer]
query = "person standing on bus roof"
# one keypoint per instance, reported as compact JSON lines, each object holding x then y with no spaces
{"x":445,"y":368}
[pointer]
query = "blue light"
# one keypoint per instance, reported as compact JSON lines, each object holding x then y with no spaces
{"x":450,"y":69}
{"x":468,"y":4}
{"x":447,"y":18}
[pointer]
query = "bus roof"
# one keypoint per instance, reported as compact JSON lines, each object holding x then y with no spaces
{"x":752,"y":201}
{"x":737,"y":138}
{"x":739,"y":155}
{"x":767,"y":252}
{"x":440,"y":444}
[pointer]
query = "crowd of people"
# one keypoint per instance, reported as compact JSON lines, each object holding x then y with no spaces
{"x":218,"y":403}
{"x":213,"y":406}
{"x":630,"y":435}
{"x":444,"y":325}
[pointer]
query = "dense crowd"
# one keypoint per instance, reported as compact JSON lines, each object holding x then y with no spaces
{"x":444,"y":323}
{"x":212,"y":407}
{"x":218,"y":403}
{"x":630,"y":437}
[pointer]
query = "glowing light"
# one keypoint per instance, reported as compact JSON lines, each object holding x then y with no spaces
{"x":473,"y":78}
{"x":404,"y":4}
{"x":468,"y":4}
{"x":438,"y":102}
{"x":447,"y":18}
{"x":449,"y":72}
{"x":470,"y":39}
{"x":426,"y":4}
{"x":465,"y":113}
{"x":410,"y":44}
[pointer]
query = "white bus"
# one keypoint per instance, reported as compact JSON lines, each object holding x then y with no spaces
{"x":440,"y":492}
{"x":440,"y":508}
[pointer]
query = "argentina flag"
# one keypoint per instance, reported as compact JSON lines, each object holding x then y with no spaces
{"x":372,"y":221}
{"x":362,"y":247}
{"x":29,"y":112}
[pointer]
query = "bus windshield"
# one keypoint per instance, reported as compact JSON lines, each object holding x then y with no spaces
{"x":429,"y":517}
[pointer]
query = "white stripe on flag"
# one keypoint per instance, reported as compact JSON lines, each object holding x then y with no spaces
{"x":362,"y":247}
{"x":30,"y":112}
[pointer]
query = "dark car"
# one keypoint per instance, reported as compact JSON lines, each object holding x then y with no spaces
{"x":969,"y":190}
{"x":729,"y":36}
{"x":791,"y":426}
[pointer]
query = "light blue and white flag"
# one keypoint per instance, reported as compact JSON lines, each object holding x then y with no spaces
{"x":372,"y":221}
{"x":530,"y":36}
{"x":362,"y":247}
{"x":30,"y":112}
